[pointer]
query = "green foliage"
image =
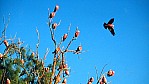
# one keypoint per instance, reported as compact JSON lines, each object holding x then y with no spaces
{"x":20,"y":66}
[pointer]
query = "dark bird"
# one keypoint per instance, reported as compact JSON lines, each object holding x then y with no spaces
{"x":110,"y":26}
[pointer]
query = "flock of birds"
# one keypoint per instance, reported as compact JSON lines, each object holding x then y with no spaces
{"x":110,"y":26}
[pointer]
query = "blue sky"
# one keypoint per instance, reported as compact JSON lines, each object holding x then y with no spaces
{"x":127,"y":53}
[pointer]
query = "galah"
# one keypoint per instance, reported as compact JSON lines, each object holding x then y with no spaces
{"x":110,"y":26}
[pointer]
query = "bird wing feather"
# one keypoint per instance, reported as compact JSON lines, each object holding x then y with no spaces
{"x":111,"y":21}
{"x":111,"y":30}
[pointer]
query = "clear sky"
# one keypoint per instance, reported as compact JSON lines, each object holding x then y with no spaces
{"x":127,"y":53}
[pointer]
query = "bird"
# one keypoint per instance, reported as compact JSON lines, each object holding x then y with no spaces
{"x":110,"y":26}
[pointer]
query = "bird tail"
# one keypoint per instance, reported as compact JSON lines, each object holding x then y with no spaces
{"x":105,"y":25}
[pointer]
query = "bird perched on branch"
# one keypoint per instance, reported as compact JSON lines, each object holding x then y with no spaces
{"x":110,"y":26}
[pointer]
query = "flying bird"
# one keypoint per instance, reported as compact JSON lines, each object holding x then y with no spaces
{"x":110,"y":26}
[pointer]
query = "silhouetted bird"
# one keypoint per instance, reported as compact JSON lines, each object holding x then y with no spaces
{"x":110,"y":26}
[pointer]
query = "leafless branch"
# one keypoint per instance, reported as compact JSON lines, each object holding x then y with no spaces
{"x":37,"y":45}
{"x":69,"y":29}
{"x":59,"y":23}
{"x":69,"y":43}
{"x":96,"y":72}
{"x":5,"y":26}
{"x":47,"y":51}
{"x":102,"y":70}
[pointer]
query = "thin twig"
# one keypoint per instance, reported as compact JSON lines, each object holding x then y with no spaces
{"x":59,"y":23}
{"x":102,"y":70}
{"x":5,"y":26}
{"x":101,"y":74}
{"x":37,"y":45}
{"x":47,"y":51}
{"x":48,"y":12}
{"x":69,"y":44}
{"x":69,"y":29}
{"x":74,"y":51}
{"x":96,"y":72}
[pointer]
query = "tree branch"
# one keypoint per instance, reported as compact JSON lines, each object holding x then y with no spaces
{"x":37,"y":45}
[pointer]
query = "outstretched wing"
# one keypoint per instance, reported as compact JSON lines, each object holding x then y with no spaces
{"x":111,"y":21}
{"x":105,"y":25}
{"x":111,"y":30}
